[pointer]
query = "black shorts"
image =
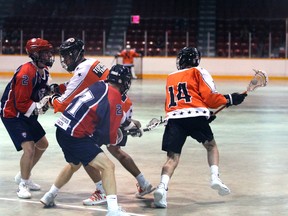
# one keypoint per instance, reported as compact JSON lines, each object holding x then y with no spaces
{"x":23,"y":129}
{"x":77,"y":150}
{"x":177,"y":130}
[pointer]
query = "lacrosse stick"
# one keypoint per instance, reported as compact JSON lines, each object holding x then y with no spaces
{"x":153,"y":123}
{"x":260,"y":79}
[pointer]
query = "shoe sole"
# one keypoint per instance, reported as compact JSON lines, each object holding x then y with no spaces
{"x":139,"y":196}
{"x":157,"y":198}
{"x":29,"y":197}
{"x":47,"y":206}
{"x":93,"y":204}
{"x":221,"y":191}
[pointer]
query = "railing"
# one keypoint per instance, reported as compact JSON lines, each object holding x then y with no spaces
{"x":271,"y":46}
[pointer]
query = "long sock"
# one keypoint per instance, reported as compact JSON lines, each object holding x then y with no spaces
{"x":141,"y":180}
{"x":54,"y":190}
{"x":112,"y":202}
{"x":214,"y":171}
{"x":165,"y":180}
{"x":99,"y":186}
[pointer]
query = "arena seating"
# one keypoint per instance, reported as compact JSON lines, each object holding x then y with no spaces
{"x":168,"y":24}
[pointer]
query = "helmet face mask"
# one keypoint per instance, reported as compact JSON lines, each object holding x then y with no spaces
{"x":121,"y":76}
{"x":188,"y":57}
{"x":40,"y":51}
{"x":71,"y":53}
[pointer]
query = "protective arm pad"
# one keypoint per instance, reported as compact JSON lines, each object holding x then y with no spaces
{"x":52,"y":98}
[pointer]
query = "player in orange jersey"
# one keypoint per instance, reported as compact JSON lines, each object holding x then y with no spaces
{"x":190,"y":92}
{"x":128,"y":55}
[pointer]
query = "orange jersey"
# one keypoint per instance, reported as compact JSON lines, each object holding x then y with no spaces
{"x":127,"y":106}
{"x":191,"y":92}
{"x":128,"y":56}
{"x":85,"y":74}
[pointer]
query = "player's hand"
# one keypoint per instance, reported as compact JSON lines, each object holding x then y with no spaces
{"x":136,"y":132}
{"x":42,"y":106}
{"x":235,"y":98}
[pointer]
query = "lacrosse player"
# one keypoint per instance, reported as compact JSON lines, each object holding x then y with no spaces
{"x":190,"y":92}
{"x":86,"y":72}
{"x":93,"y":117}
{"x":134,"y":128}
{"x":21,"y":104}
{"x":128,"y":55}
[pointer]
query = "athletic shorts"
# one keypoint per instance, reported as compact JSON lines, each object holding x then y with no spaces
{"x":23,"y":129}
{"x":177,"y":130}
{"x":77,"y":150}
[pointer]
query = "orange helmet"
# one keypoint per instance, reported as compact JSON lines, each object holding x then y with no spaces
{"x":35,"y":46}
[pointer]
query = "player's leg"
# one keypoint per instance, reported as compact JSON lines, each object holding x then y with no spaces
{"x":26,"y":162}
{"x":143,"y":186}
{"x":63,"y":177}
{"x":40,"y":144}
{"x":98,"y":196}
{"x":160,"y":194}
{"x":21,"y":133}
{"x":213,"y":161}
{"x":173,"y":140}
{"x":40,"y":148}
{"x":107,"y":169}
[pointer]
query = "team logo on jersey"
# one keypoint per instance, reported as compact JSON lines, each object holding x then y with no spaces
{"x":24,"y":134}
{"x":99,"y":69}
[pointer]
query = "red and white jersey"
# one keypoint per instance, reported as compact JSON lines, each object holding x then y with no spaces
{"x":85,"y":74}
{"x":26,"y":88}
{"x":190,"y":92}
{"x":95,"y":112}
{"x":128,"y":56}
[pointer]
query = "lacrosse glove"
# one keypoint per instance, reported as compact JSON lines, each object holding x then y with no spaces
{"x":234,"y":99}
{"x":42,"y":106}
{"x":54,"y":89}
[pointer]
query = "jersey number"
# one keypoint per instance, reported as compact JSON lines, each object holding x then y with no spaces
{"x":180,"y":94}
{"x":83,"y":98}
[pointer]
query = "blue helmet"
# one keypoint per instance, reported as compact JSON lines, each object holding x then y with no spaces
{"x":120,"y":75}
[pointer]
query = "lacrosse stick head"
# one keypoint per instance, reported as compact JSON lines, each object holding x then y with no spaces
{"x":153,"y":123}
{"x":260,"y":79}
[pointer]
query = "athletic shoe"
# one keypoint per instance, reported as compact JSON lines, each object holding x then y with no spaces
{"x":217,"y":184}
{"x":118,"y":212}
{"x":23,"y":191}
{"x":48,"y":199}
{"x":31,"y":185}
{"x":160,"y":195}
{"x":143,"y":191}
{"x":96,"y":198}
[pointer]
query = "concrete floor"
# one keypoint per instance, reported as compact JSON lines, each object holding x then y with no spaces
{"x":252,"y":140}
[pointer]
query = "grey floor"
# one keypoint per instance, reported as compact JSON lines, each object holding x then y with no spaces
{"x":253,"y":145}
